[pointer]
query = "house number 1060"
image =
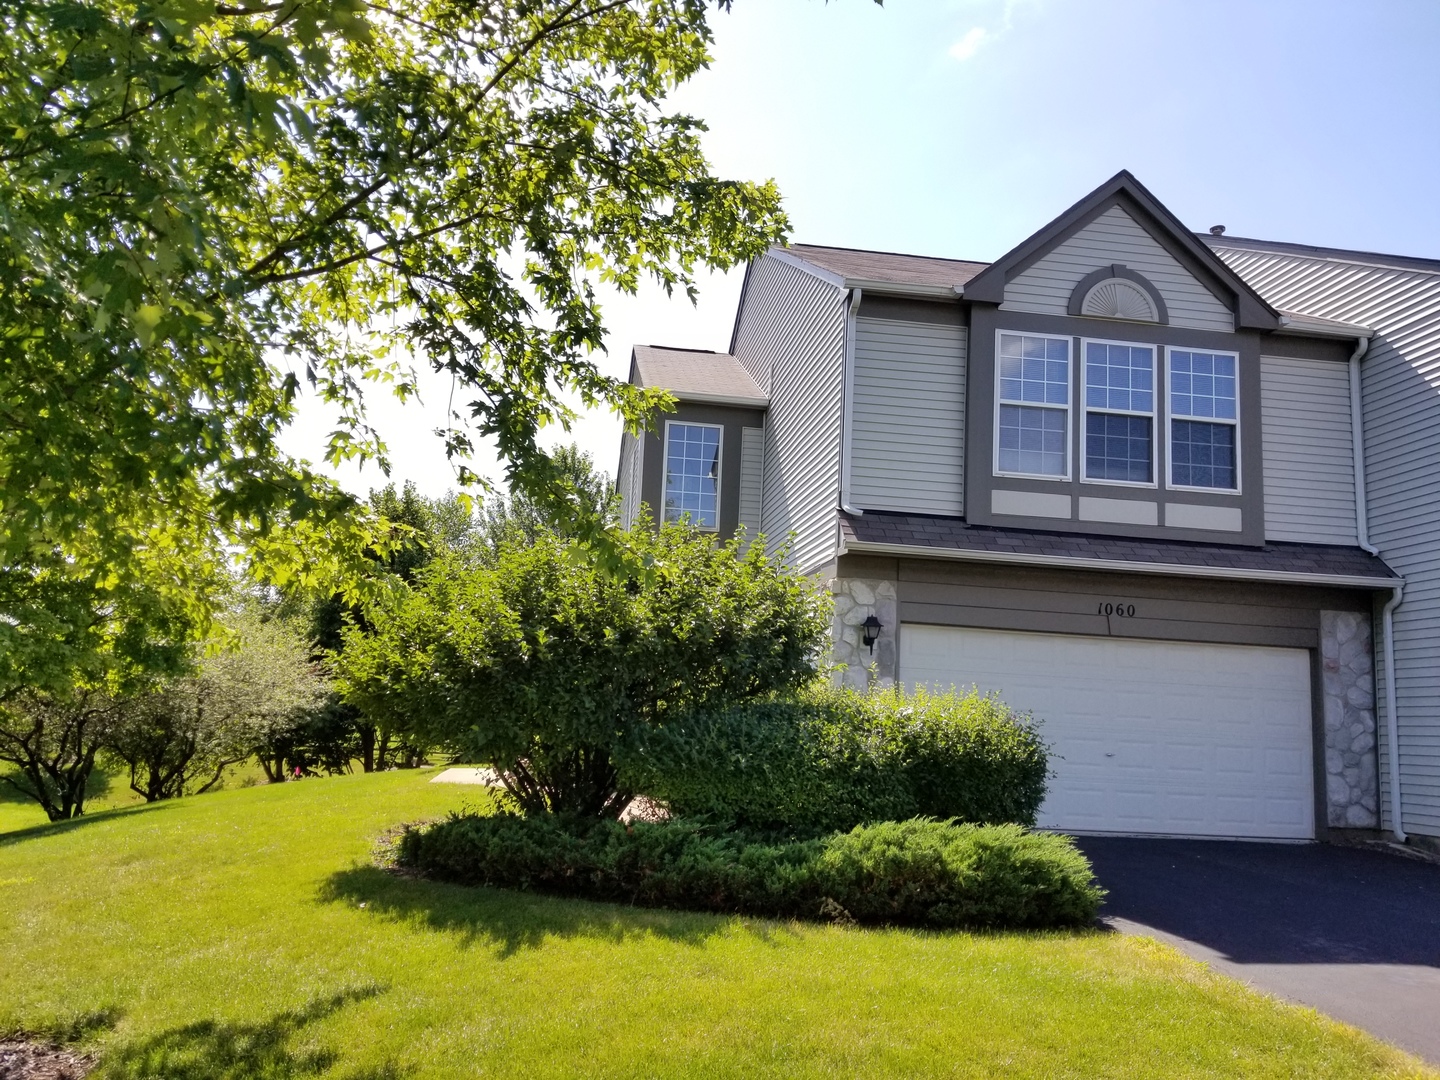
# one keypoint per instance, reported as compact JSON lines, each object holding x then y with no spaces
{"x":1125,"y":611}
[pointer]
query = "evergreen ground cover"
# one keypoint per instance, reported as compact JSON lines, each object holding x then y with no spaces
{"x":246,"y":932}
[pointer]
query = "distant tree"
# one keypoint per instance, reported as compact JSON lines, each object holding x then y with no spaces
{"x":70,"y":647}
{"x":548,"y":668}
{"x":339,"y":734}
{"x":518,"y":518}
{"x":248,"y":694}
{"x":53,"y":741}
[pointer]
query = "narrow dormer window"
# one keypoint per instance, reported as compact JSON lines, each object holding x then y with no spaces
{"x":1032,"y":423}
{"x":1204,"y":420}
{"x":692,"y":473}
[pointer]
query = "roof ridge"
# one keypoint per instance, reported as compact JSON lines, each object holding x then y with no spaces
{"x":682,"y":348}
{"x":1371,"y":258}
{"x":878,"y":251}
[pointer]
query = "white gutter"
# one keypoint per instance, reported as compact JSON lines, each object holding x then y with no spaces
{"x":852,"y":314}
{"x":705,"y":397}
{"x":1387,"y":616}
{"x":900,"y":288}
{"x":1357,"y":446}
{"x":1013,"y":558}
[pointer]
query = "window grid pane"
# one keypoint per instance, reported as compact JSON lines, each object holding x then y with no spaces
{"x":1202,"y":385}
{"x":1032,"y":440}
{"x":692,"y":475}
{"x":1034,"y":369}
{"x":1120,"y":377}
{"x":1202,"y":455}
{"x":1117,"y":447}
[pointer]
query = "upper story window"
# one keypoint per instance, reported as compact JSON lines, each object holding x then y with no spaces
{"x":1119,"y":412}
{"x":1204,"y":420}
{"x":692,"y":473}
{"x":1033,"y":406}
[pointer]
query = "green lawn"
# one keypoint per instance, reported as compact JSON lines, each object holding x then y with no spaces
{"x":244,"y":934}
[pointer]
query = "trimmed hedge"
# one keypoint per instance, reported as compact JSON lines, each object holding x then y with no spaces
{"x":832,"y":759}
{"x":921,"y":872}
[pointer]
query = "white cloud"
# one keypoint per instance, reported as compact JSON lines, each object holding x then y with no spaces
{"x":968,"y":45}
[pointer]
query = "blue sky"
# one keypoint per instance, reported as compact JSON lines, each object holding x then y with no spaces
{"x":958,"y":127}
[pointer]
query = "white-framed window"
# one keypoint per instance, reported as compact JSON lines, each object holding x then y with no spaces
{"x":692,"y":473}
{"x":1119,"y":402}
{"x":1204,"y":417}
{"x":1032,"y":405}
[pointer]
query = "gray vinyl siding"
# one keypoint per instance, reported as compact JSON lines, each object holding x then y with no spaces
{"x":1309,"y":459}
{"x":752,"y":478}
{"x":630,"y":476}
{"x":1116,"y":237}
{"x":790,"y":336}
{"x":1400,"y":385}
{"x":907,"y":444}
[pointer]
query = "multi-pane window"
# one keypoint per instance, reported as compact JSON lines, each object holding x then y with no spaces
{"x":692,"y":474}
{"x":1034,"y":405}
{"x":1203,"y":420}
{"x":1119,"y":412}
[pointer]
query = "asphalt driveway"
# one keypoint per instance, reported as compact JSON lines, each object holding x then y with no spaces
{"x":1352,"y":933}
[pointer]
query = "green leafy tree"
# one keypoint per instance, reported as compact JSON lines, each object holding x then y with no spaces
{"x":248,"y":693}
{"x":550,"y":669}
{"x":207,"y":201}
{"x":69,"y":648}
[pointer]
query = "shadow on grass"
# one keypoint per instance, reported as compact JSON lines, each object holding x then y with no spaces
{"x":66,"y":1030}
{"x":512,"y":920}
{"x":55,"y":828}
{"x":216,"y":1050}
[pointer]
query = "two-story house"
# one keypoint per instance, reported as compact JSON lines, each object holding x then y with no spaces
{"x":1177,"y":494}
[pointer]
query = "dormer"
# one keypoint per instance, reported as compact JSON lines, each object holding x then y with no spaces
{"x":1115,"y":380}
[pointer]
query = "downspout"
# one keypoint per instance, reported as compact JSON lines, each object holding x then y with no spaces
{"x":852,"y":310}
{"x":1387,"y":615}
{"x":1392,"y":723}
{"x":1357,"y":445}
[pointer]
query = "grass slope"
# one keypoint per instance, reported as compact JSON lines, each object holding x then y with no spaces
{"x":244,"y":934}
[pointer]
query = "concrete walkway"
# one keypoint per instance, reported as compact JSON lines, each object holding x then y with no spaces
{"x":1352,"y":933}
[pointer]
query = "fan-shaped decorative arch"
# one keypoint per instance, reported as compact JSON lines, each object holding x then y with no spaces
{"x":1115,"y":298}
{"x":1117,"y":292}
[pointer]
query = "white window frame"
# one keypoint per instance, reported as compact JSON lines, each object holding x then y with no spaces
{"x":1170,"y":416}
{"x":1068,"y":407}
{"x":719,"y":474}
{"x":1153,"y":415}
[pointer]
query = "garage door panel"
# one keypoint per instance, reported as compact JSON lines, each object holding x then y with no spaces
{"x":1147,"y":736}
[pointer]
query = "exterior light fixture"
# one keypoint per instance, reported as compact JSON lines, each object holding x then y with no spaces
{"x":870,"y":631}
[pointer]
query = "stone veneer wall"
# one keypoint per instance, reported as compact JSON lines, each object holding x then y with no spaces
{"x":855,"y":598}
{"x":1352,"y":776}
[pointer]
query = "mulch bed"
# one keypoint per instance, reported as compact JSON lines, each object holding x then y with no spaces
{"x":35,"y":1061}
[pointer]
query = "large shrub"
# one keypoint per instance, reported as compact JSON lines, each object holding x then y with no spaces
{"x":830,"y":759}
{"x":547,"y":666}
{"x":917,"y":873}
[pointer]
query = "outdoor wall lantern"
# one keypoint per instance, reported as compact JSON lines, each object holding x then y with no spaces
{"x":870,"y":631}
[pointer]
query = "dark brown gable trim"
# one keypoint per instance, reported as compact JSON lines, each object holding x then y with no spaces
{"x":1123,"y":190}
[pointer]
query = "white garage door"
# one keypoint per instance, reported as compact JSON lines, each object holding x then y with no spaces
{"x":1149,"y":736}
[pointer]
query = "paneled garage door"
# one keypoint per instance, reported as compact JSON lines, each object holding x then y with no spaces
{"x":1150,"y":736}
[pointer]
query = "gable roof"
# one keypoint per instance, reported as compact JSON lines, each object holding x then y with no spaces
{"x":696,"y":375}
{"x":1250,"y":309}
{"x":877,"y":269}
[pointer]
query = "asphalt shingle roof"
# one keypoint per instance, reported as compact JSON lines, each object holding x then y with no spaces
{"x":922,"y":531}
{"x":888,"y":265}
{"x":697,"y":375}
